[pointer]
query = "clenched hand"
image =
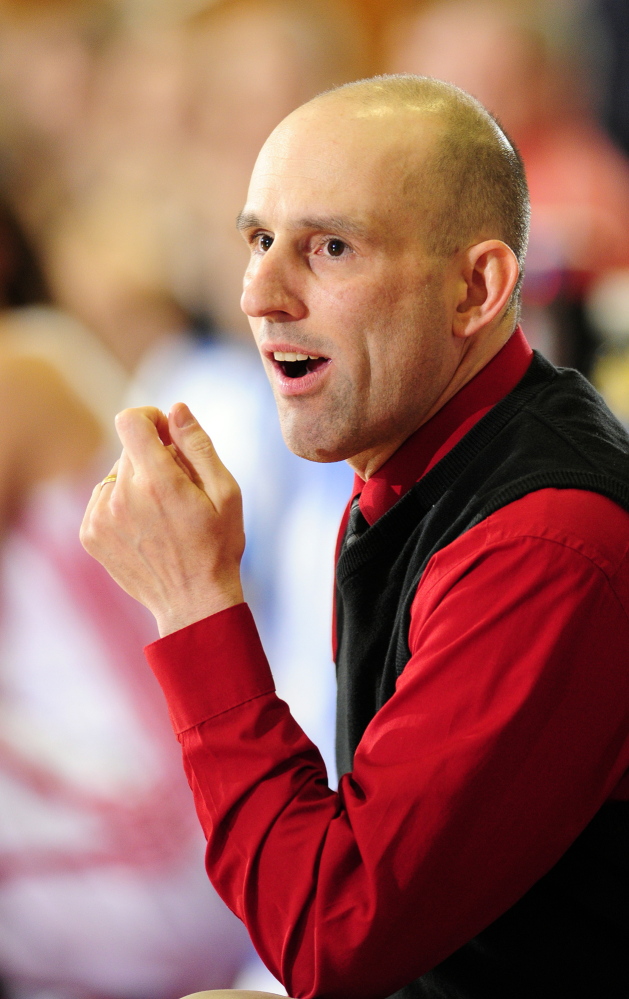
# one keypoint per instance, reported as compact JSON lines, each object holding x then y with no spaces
{"x":169,"y":528}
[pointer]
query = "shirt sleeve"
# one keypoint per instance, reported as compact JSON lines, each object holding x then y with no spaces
{"x":468,"y":785}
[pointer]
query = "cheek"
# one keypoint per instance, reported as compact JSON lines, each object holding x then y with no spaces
{"x":408,"y":338}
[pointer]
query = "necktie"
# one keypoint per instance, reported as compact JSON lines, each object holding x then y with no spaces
{"x":356,"y":525}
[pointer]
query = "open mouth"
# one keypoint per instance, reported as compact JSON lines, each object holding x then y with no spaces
{"x":298,"y":365}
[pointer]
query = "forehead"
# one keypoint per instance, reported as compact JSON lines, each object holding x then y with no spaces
{"x":338,"y":161}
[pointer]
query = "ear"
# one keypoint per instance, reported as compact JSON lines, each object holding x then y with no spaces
{"x":487,"y":274}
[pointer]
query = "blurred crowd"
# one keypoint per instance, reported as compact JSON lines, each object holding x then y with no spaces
{"x":128,"y":129}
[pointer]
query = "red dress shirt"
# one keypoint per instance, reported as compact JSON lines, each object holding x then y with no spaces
{"x":508,"y":730}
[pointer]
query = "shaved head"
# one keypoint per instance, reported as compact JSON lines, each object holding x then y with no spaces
{"x":385,"y":220}
{"x":471,"y":186}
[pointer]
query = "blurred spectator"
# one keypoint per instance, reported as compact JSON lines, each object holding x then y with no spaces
{"x":523,"y":62}
{"x":102,"y":891}
{"x":608,"y":301}
{"x":106,"y":263}
{"x":21,"y":282}
{"x":611,"y":17}
{"x":45,"y":429}
{"x":47,"y":58}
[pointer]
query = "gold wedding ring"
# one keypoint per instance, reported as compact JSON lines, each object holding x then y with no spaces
{"x":109,"y":478}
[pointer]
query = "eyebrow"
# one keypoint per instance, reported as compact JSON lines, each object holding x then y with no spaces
{"x":246,"y":220}
{"x":323,"y":223}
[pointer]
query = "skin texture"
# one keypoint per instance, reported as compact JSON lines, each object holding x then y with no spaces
{"x":338,"y":269}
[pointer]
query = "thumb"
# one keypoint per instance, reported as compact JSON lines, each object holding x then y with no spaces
{"x":195,"y":448}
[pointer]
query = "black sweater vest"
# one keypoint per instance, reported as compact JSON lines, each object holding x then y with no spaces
{"x":569,"y":935}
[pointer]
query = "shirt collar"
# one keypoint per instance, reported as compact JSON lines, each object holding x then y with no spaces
{"x":434,"y":439}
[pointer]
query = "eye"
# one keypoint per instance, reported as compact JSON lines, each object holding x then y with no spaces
{"x":336,"y":247}
{"x":262,"y":241}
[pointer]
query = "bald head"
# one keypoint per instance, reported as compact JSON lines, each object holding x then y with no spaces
{"x":468,"y":183}
{"x":379,"y":220}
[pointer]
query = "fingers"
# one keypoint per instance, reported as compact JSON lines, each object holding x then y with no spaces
{"x":124,"y":468}
{"x":197,"y":450}
{"x":143,"y":432}
{"x":114,"y":470}
{"x":103,"y":492}
{"x":97,"y":490}
{"x":111,"y":478}
{"x":183,"y":465}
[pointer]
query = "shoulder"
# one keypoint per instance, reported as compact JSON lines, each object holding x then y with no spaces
{"x":557,"y":558}
{"x":584,"y":530}
{"x":583,"y":521}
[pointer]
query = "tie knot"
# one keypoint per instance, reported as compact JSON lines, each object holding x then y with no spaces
{"x":356,"y":525}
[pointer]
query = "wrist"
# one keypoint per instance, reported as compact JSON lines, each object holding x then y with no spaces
{"x":180,"y":615}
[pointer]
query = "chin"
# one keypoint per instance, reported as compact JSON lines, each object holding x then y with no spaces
{"x":315,"y":447}
{"x":312,"y":452}
{"x":333,"y":436}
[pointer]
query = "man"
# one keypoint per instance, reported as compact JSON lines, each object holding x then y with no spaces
{"x":476,"y":843}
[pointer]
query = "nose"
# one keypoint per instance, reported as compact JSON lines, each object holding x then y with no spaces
{"x":272,"y":288}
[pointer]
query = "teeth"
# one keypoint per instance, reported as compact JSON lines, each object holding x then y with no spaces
{"x":281,"y":355}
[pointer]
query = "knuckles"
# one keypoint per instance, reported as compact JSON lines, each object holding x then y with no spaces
{"x":165,"y":504}
{"x":130,"y":416}
{"x":199,"y":442}
{"x":116,"y":509}
{"x":94,"y":535}
{"x":231,"y":501}
{"x":126,"y":421}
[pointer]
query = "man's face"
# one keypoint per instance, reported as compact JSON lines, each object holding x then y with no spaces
{"x":348,"y":309}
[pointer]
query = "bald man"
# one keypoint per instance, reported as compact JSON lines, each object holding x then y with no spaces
{"x":476,"y":846}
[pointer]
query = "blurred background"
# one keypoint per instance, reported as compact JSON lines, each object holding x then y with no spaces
{"x":128,"y":129}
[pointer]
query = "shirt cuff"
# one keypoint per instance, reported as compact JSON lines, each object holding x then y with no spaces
{"x":211,"y":666}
